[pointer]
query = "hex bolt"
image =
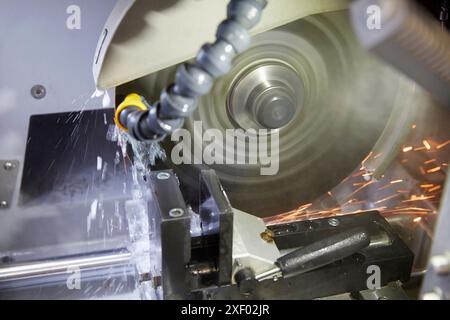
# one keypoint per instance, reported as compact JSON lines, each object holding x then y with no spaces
{"x":333,"y":222}
{"x":38,"y":91}
{"x":176,"y":212}
{"x":163,"y":176}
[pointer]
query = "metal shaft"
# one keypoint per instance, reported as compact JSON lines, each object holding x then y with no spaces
{"x":55,"y":267}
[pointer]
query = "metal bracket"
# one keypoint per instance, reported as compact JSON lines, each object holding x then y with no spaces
{"x":8,"y":177}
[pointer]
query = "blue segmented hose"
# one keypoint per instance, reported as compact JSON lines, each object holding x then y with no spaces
{"x":179,"y":100}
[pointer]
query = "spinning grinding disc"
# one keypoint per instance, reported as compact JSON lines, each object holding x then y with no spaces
{"x":310,"y":80}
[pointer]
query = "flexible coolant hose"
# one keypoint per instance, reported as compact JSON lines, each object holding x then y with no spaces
{"x":154,"y":122}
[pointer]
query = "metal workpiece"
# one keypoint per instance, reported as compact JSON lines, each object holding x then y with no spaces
{"x":14,"y":274}
{"x":94,"y":275}
{"x":213,"y":60}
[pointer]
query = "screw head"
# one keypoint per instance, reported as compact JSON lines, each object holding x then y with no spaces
{"x":176,"y":212}
{"x":333,"y":222}
{"x":163,"y":176}
{"x":8,"y":166}
{"x":3,"y":204}
{"x":38,"y":91}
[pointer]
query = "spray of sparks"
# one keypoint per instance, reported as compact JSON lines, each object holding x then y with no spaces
{"x":390,"y":194}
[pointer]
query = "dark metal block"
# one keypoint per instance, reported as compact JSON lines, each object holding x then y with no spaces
{"x":172,"y":221}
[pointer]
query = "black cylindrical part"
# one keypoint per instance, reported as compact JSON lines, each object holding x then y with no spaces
{"x":324,"y":252}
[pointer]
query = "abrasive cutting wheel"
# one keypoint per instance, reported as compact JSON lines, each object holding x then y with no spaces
{"x":310,"y":80}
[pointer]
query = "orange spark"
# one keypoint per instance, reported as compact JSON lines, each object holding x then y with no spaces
{"x":411,"y":209}
{"x":418,"y":198}
{"x":430,"y":161}
{"x":418,"y":219}
{"x":434,"y":189}
{"x":360,"y":188}
{"x":396,"y":181}
{"x":443,"y":145}
{"x":367,"y":158}
{"x":387,"y":198}
{"x":407,"y":149}
{"x":426,"y":144}
{"x":385,"y":187}
{"x":434,"y":170}
{"x":358,"y":174}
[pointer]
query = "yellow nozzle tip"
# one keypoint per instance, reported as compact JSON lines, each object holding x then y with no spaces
{"x":131,"y":100}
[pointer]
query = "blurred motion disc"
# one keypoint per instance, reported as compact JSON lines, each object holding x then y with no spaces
{"x":310,"y":80}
